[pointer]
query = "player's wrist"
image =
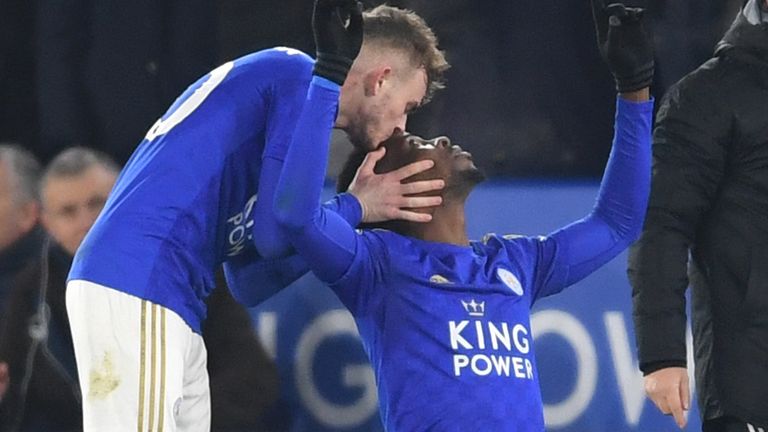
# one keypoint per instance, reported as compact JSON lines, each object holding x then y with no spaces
{"x":364,"y":209}
{"x":642,"y":95}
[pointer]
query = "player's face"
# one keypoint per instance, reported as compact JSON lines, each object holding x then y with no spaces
{"x":452,"y":163}
{"x":71,"y":204}
{"x":388,"y":109}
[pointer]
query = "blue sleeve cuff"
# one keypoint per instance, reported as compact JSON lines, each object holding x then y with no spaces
{"x":641,"y":106}
{"x":350,"y":209}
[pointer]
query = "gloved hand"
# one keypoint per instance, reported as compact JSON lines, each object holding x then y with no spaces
{"x":337,"y":44}
{"x":624,"y":44}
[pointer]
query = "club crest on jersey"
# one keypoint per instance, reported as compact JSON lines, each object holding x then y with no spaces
{"x":474,"y":308}
{"x":510,"y":280}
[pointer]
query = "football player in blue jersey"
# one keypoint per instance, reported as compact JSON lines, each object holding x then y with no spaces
{"x":198,"y":192}
{"x":444,"y":320}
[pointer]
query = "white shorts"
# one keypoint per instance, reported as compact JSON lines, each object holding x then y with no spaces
{"x":141,"y":367}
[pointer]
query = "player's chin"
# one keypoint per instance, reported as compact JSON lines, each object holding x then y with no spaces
{"x":463,"y":162}
{"x":470,"y":175}
{"x":363,"y":143}
{"x":360,"y":139}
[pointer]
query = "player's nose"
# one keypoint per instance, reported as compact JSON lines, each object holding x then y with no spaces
{"x":442,"y":141}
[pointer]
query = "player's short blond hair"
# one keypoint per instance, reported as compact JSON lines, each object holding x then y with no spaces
{"x":404,"y":31}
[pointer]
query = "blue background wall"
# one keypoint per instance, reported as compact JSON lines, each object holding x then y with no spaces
{"x":584,"y":337}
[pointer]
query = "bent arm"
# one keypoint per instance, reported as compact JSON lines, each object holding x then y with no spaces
{"x":617,"y":217}
{"x":253,"y":278}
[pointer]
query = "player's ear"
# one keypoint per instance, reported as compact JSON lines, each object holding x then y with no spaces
{"x":375,"y":79}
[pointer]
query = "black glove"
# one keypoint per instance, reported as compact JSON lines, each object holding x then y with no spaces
{"x":337,"y":44}
{"x":624,"y":44}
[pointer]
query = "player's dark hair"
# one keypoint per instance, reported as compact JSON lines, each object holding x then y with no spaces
{"x":403,"y":30}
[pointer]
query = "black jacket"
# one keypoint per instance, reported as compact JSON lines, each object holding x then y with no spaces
{"x":51,"y":400}
{"x":244,"y":381}
{"x":709,"y":199}
{"x":14,"y":259}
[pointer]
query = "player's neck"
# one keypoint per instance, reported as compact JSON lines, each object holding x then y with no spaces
{"x":448,"y":225}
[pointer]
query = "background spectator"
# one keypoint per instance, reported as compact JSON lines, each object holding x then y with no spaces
{"x":35,"y":343}
{"x":36,"y":346}
{"x":19,"y":211}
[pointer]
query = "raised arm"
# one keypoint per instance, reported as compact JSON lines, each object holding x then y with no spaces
{"x":253,"y":279}
{"x":616,"y":220}
{"x":324,"y":239}
{"x":617,"y":217}
{"x":321,"y":237}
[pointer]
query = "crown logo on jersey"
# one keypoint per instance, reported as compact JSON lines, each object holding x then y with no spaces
{"x":474,"y":308}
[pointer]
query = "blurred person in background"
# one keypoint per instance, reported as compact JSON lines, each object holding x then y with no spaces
{"x":707,"y":224}
{"x":20,"y":237}
{"x":36,"y":345}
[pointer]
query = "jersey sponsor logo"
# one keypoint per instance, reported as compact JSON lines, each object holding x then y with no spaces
{"x":489,"y":348}
{"x":510,"y":280}
{"x":239,"y":228}
{"x":486,"y":348}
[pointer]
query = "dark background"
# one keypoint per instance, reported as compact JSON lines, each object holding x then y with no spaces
{"x":528,"y":93}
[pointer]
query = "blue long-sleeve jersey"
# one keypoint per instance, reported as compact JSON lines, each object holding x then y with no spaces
{"x":198,"y":190}
{"x":447,"y":327}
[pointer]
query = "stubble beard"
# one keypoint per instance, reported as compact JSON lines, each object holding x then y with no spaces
{"x":360,"y":138}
